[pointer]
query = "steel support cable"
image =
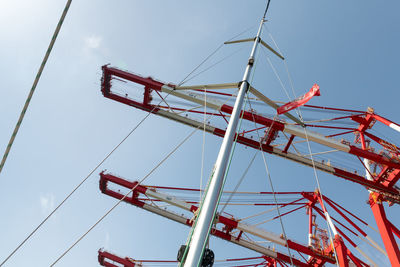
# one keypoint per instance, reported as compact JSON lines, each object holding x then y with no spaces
{"x":219,"y":196}
{"x":76,"y":188}
{"x":237,"y":135}
{"x":35,"y":82}
{"x":184,"y":80}
{"x":216,"y":63}
{"x":190,"y":235}
{"x":301,"y":255}
{"x":373,"y":244}
{"x":276,"y":73}
{"x":198,"y":66}
{"x":91,"y":172}
{"x":284,"y":62}
{"x":298,"y":111}
{"x":82,"y":182}
{"x":238,"y":131}
{"x":257,"y":57}
{"x":189,"y":239}
{"x":231,"y":157}
{"x":265,"y":162}
{"x":239,"y":182}
{"x":252,"y":160}
{"x":276,"y":217}
{"x":225,"y":175}
{"x":317,"y":181}
{"x":272,"y":188}
{"x":204,"y":141}
{"x":257,"y":214}
{"x":290,"y":80}
{"x":122,"y":199}
{"x":368,"y":240}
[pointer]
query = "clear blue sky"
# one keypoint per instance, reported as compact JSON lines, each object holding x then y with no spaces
{"x":349,"y":48}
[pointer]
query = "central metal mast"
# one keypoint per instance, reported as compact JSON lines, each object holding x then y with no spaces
{"x":209,"y":207}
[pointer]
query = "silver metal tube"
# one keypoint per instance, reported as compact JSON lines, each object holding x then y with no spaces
{"x":209,"y":207}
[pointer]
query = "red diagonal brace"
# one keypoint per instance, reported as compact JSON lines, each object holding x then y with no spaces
{"x":395,"y":230}
{"x":341,"y":251}
{"x":288,"y":144}
{"x":392,"y":178}
{"x":107,"y":259}
{"x":385,"y":229}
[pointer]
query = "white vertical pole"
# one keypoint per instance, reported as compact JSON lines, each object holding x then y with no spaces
{"x":209,"y":207}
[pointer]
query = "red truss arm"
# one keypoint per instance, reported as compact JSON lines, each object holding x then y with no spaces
{"x":145,"y":196}
{"x":388,"y":176}
{"x":153,"y":88}
{"x":226,"y":224}
{"x":110,"y":260}
{"x":105,"y":258}
{"x":386,"y":230}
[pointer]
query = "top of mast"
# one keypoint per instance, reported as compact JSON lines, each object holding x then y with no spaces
{"x":266,"y":10}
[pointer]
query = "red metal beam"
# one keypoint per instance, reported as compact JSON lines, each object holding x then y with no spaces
{"x":395,"y":230}
{"x":341,"y":251}
{"x":392,"y":178}
{"x":288,"y":144}
{"x":327,"y":200}
{"x":107,"y":259}
{"x":352,"y":214}
{"x":151,"y":84}
{"x":229,"y":224}
{"x":382,"y":176}
{"x":385,"y":229}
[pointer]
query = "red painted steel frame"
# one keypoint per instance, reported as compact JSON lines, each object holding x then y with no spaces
{"x":152,"y":85}
{"x":316,"y":197}
{"x":341,"y":251}
{"x":340,"y":247}
{"x":105,"y":259}
{"x":391,"y":176}
{"x":229,"y":224}
{"x":385,"y":230}
{"x":384,"y":182}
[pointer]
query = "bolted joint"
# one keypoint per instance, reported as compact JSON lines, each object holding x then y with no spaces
{"x":375,"y":198}
{"x":251,"y":61}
